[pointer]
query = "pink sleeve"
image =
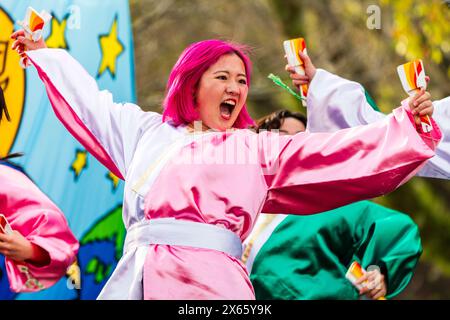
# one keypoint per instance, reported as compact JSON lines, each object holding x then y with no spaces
{"x":40,"y":221}
{"x":49,"y":230}
{"x":316,"y":172}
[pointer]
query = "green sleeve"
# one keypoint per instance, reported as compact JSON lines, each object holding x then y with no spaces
{"x":306,"y":257}
{"x":390,"y":240}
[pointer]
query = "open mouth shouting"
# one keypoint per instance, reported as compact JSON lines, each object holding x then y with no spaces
{"x":226,"y":108}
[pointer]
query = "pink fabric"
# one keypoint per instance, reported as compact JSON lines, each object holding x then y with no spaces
{"x":301,"y":174}
{"x":177,"y":272}
{"x":75,"y":125}
{"x":228,"y":178}
{"x":31,"y":213}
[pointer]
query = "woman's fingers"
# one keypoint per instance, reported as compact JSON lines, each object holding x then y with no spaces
{"x":16,"y":44}
{"x":427,"y":111}
{"x":297,"y":79}
{"x":415,"y":97}
{"x":373,"y":284}
{"x":26,"y":44}
{"x":296,"y":76}
{"x":424,"y":105}
{"x":18,"y":33}
{"x":362,"y":279}
{"x":289,"y":69}
{"x":5,"y":246}
{"x":310,"y":69}
{"x":421,"y":98}
{"x":305,"y":58}
{"x":373,"y":293}
{"x":421,"y":105}
{"x":380,"y":294}
{"x":2,"y":237}
{"x":412,"y":101}
{"x":298,"y":83}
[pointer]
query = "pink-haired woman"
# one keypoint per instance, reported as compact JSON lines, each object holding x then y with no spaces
{"x":191,"y":197}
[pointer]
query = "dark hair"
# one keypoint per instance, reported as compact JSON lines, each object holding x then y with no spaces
{"x":3,"y":106}
{"x":275,"y":120}
{"x":11,"y":156}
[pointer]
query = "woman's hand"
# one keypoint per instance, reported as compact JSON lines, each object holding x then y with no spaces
{"x":22,"y":44}
{"x":16,"y":247}
{"x":421,"y":105}
{"x":374,"y":284}
{"x":310,"y":72}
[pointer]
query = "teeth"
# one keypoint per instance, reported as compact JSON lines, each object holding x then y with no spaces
{"x":230,"y":102}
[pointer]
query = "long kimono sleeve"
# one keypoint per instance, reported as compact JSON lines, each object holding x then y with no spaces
{"x":313,"y":253}
{"x":391,"y":241}
{"x":336,"y":103}
{"x":40,"y":221}
{"x":109,"y":131}
{"x":314,"y":172}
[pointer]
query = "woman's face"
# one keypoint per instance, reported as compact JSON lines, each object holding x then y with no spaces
{"x":222,"y":93}
{"x":291,"y":126}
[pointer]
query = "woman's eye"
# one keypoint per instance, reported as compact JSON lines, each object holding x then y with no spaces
{"x":222,"y":77}
{"x":243,"y":81}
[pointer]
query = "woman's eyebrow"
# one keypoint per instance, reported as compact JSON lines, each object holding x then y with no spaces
{"x":228,"y":72}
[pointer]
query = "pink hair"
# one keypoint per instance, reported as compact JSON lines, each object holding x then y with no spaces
{"x":179,"y":104}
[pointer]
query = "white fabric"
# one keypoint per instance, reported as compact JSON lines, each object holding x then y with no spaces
{"x":127,"y":280}
{"x":125,"y":132}
{"x":336,"y":103}
{"x":259,"y":239}
{"x":171,"y":231}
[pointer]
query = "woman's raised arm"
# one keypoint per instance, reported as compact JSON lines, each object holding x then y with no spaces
{"x":109,"y":131}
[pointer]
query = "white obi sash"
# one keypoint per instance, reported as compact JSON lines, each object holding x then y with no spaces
{"x":127,"y":280}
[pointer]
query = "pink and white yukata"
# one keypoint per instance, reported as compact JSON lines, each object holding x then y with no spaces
{"x":40,"y":221}
{"x":217,"y":179}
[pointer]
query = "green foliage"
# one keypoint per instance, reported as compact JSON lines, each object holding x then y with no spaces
{"x":421,"y":28}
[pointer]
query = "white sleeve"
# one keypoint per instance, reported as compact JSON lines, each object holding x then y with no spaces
{"x":335,"y":103}
{"x":110,"y":131}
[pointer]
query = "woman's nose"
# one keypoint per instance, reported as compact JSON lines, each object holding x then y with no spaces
{"x":232,"y":88}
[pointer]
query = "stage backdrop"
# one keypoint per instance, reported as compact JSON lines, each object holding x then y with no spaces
{"x":99,"y":35}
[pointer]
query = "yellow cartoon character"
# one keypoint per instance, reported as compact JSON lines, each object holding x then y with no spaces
{"x":12,"y":82}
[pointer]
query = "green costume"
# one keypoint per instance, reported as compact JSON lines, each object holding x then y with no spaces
{"x":307,"y":257}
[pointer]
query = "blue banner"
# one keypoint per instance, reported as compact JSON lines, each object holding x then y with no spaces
{"x":99,"y":35}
